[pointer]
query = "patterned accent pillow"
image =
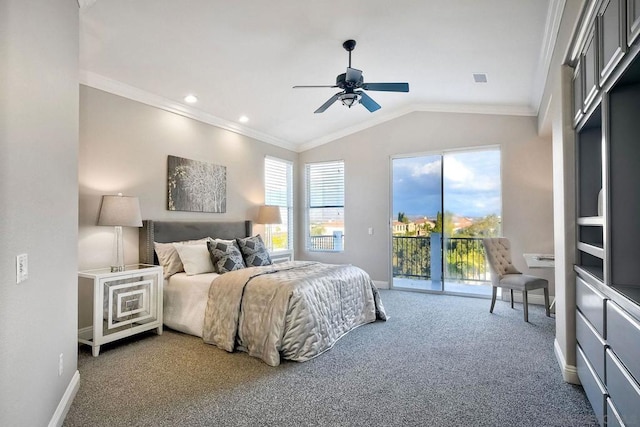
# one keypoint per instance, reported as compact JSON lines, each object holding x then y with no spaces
{"x":225,"y":255}
{"x":254,"y":251}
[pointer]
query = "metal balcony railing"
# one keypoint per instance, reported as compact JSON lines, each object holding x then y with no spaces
{"x":331,"y":242}
{"x":464,"y":258}
{"x":412,"y":257}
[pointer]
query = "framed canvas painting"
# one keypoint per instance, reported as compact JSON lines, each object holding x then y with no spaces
{"x":196,"y":186}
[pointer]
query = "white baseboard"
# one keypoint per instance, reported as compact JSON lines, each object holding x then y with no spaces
{"x":569,"y":372}
{"x":381,"y":284}
{"x":65,"y":402}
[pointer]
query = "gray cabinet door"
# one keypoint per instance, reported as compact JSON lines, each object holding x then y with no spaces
{"x":633,"y":20}
{"x":590,"y":69}
{"x":623,"y":335}
{"x":591,"y":304}
{"x":591,"y":344}
{"x":593,"y":388}
{"x":612,"y":36}
{"x":578,"y":89}
{"x":623,"y":390}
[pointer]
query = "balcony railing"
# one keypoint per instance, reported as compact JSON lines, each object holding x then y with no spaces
{"x":414,"y":257}
{"x":331,"y":242}
{"x":464,"y":258}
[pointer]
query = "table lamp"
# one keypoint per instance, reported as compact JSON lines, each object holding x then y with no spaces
{"x":119,"y":211}
{"x":268,"y":214}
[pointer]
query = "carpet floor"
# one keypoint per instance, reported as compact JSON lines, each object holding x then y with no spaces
{"x":439,"y":361}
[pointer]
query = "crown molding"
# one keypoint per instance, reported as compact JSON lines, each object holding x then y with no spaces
{"x":552,"y":26}
{"x":105,"y":84}
{"x":115,"y":87}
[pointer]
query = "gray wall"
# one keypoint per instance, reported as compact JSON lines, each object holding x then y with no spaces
{"x":39,"y":209}
{"x":124,"y":147}
{"x":526,"y":181}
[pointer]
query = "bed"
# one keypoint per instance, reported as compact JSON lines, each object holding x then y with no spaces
{"x":294,"y":310}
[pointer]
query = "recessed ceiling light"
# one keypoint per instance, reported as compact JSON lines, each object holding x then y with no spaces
{"x":243,"y":119}
{"x":191,"y":99}
{"x":480,"y":77}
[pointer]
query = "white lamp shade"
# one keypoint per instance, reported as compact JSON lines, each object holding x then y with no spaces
{"x":269,"y":215}
{"x":121,"y":211}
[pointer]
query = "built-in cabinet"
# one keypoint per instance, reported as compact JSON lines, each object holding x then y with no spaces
{"x":606,"y":96}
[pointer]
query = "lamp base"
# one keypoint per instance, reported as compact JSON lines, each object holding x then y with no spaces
{"x":118,"y":250}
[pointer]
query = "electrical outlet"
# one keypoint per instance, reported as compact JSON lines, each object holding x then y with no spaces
{"x":60,"y":364}
{"x":22,"y":268}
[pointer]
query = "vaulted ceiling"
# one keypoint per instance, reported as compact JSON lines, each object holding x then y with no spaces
{"x":242,"y":58}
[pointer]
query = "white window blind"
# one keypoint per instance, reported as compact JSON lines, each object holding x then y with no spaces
{"x":278,"y":191}
{"x":325,"y":206}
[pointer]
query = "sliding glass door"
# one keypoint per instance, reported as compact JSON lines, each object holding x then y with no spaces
{"x":443,"y":205}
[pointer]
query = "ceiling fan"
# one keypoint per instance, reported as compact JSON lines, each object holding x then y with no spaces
{"x":352,"y":85}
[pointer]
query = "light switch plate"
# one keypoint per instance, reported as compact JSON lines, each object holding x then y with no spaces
{"x":22,"y":268}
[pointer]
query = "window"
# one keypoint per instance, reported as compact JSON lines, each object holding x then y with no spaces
{"x":325,"y":206}
{"x":278,"y":191}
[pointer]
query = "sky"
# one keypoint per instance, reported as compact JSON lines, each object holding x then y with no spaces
{"x":471,"y":184}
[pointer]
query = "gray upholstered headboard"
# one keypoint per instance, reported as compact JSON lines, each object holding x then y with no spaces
{"x":176,"y":231}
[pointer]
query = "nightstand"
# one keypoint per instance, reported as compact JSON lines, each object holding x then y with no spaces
{"x":124,"y":303}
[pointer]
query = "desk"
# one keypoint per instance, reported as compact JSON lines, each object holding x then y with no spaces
{"x":541,"y":261}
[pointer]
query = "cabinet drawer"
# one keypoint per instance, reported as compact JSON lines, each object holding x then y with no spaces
{"x":623,"y":390}
{"x":613,"y":418}
{"x":591,"y":344}
{"x":623,"y":336}
{"x":591,"y":304}
{"x":593,"y":388}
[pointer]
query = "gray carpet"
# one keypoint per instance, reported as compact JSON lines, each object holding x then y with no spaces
{"x":439,"y":361}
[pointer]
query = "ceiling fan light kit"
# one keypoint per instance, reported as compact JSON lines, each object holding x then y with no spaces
{"x":352,"y":85}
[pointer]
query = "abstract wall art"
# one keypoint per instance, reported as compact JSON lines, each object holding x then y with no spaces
{"x":196,"y":186}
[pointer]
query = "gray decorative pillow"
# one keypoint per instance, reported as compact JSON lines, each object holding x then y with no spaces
{"x":225,"y":255}
{"x":254,"y":252}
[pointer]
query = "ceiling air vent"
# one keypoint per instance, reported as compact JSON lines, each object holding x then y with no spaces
{"x":479,"y":77}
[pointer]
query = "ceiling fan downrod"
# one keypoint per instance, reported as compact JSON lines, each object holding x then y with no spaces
{"x":349,"y":45}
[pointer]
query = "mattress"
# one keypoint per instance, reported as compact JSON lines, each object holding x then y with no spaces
{"x":185,"y":302}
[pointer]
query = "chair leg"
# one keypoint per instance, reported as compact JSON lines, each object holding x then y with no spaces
{"x":511,"y":291}
{"x":494,"y":293}
{"x":546,"y":302}
{"x":525,"y":306}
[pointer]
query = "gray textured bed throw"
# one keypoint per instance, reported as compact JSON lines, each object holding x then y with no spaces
{"x":295,"y":310}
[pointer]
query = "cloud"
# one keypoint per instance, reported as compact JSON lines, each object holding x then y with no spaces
{"x":471,"y":184}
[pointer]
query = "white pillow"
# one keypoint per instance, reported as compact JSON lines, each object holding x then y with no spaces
{"x":195,"y":258}
{"x":168,"y":257}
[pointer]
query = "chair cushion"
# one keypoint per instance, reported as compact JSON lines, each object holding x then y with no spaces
{"x":522,"y":282}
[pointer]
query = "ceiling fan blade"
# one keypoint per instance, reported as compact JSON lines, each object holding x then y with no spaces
{"x":367,"y":102}
{"x":387,"y":87}
{"x":298,"y":87}
{"x":327,"y":104}
{"x":353,"y":75}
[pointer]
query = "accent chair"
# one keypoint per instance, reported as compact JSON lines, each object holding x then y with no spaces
{"x":505,"y":275}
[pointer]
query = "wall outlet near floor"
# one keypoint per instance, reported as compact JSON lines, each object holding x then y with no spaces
{"x":22,"y":268}
{"x":60,"y":364}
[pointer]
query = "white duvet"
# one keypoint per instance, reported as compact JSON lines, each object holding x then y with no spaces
{"x":185,"y":301}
